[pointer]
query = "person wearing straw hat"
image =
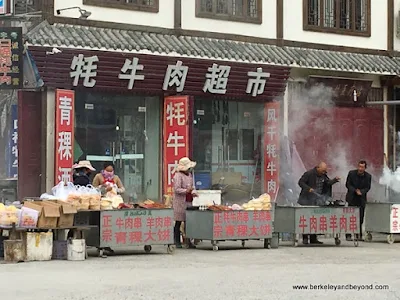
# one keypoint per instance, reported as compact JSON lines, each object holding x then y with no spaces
{"x":82,"y":171}
{"x":183,"y":187}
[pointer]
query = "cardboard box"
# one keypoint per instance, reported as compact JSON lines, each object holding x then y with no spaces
{"x":67,"y":212}
{"x":48,"y":215}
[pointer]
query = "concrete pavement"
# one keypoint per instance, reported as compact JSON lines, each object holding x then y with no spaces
{"x":230,"y":273}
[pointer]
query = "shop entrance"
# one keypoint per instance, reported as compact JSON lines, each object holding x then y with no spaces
{"x":124,"y":130}
{"x":227,"y":136}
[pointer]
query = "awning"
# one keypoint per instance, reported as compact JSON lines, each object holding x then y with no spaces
{"x":83,"y":37}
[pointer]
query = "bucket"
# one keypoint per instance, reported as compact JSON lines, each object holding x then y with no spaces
{"x":275,"y":241}
{"x":76,"y":250}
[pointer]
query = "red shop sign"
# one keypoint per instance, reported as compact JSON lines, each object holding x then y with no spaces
{"x":64,"y":135}
{"x":175,"y":137}
{"x":271,"y":148}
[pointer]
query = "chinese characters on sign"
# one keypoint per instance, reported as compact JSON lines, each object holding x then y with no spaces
{"x":136,"y":227}
{"x":215,"y":80}
{"x":176,"y":137}
{"x":271,"y":148}
{"x":242,"y":224}
{"x":13,"y":144}
{"x":395,"y":218}
{"x":64,"y":135}
{"x":11,"y":48}
{"x":328,"y":221}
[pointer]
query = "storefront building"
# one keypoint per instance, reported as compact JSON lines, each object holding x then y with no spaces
{"x":143,"y":100}
{"x":145,"y":110}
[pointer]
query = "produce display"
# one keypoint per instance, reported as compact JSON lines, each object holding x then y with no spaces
{"x":261,"y":203}
{"x":219,"y":208}
{"x":90,"y":198}
{"x":85,"y":198}
{"x":9,"y":215}
{"x":149,"y":204}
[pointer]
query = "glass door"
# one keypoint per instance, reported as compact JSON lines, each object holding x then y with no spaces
{"x":116,"y":128}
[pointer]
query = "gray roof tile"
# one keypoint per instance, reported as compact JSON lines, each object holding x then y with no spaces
{"x":122,"y":40}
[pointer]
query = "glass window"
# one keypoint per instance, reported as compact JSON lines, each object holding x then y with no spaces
{"x":339,"y":16}
{"x":125,"y":130}
{"x":227,"y":138}
{"x":231,"y":10}
{"x":142,"y":5}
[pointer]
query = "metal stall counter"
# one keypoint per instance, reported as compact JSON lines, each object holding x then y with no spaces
{"x":382,"y":218}
{"x":126,"y":228}
{"x":230,"y":225}
{"x":329,"y":220}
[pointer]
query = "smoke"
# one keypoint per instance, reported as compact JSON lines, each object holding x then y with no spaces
{"x":391,"y":180}
{"x":318,"y":136}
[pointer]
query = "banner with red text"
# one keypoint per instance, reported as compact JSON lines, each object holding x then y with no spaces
{"x":395,"y":219}
{"x":271,"y":148}
{"x":64,"y":135}
{"x":175,"y":137}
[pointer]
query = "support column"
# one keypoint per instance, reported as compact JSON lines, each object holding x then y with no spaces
{"x":385,"y":124}
{"x":50,"y":116}
{"x":286,"y":112}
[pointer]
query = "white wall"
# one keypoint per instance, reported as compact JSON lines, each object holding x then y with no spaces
{"x":396,"y":43}
{"x":265,"y":30}
{"x":164,"y":18}
{"x":293,"y":28}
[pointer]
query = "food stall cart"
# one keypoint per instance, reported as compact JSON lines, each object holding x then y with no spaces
{"x":298,"y":220}
{"x":125,"y":228}
{"x":230,"y":225}
{"x":382,"y":218}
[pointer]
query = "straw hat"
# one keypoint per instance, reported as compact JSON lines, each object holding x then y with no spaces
{"x":185,"y":164}
{"x":84,"y":164}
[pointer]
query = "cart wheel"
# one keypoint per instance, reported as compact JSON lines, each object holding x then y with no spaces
{"x":171,"y":249}
{"x":147,"y":248}
{"x":390,"y":239}
{"x":337,"y":241}
{"x":243,"y":244}
{"x":267,"y":244}
{"x":355,"y":243}
{"x":368,"y":237}
{"x":215,"y":248}
{"x":100,"y":253}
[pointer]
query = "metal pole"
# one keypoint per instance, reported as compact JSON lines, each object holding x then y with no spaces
{"x":394,"y":102}
{"x":394,"y":138}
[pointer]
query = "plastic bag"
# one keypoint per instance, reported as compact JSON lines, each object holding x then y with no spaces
{"x":95,"y":195}
{"x":62,"y":191}
{"x":10,"y":216}
{"x":46,"y":196}
{"x":84,"y":198}
{"x":116,"y":201}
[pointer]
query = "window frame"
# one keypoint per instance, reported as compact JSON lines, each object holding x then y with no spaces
{"x":231,"y":18}
{"x":125,"y":6}
{"x":336,"y":30}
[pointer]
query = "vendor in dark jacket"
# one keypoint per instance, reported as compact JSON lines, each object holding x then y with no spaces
{"x":313,"y":183}
{"x":81,"y":173}
{"x":358,"y":184}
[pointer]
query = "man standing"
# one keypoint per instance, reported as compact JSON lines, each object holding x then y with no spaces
{"x":315,"y":183}
{"x":358,"y":184}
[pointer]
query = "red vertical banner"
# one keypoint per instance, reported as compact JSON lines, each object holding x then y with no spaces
{"x":64,"y":135}
{"x":175,"y":137}
{"x":271,"y":148}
